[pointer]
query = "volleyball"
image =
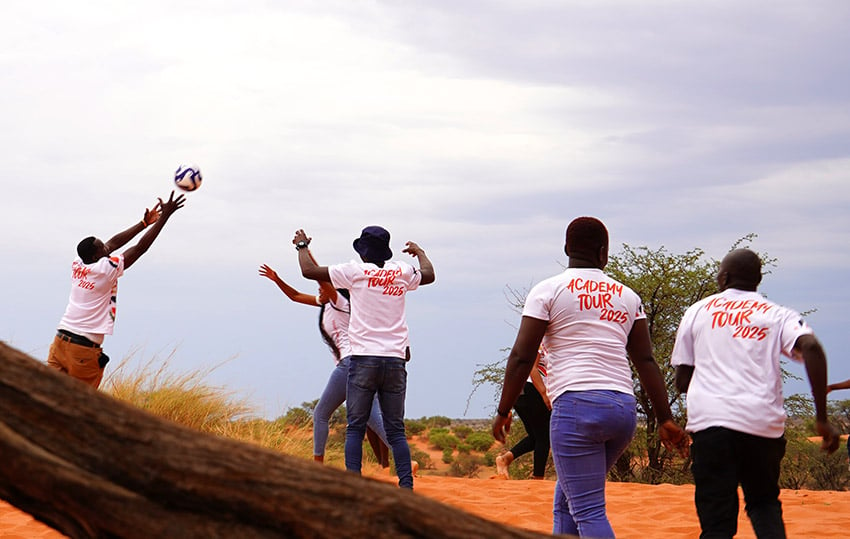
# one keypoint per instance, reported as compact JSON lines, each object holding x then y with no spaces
{"x":188,"y":177}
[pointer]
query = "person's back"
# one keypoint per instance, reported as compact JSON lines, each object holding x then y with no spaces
{"x":726,"y":356}
{"x":92,"y":301}
{"x":378,"y":325}
{"x":736,"y":338}
{"x":590,"y":318}
{"x":378,"y":336}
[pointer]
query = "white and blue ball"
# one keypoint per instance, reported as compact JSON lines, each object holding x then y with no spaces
{"x":188,"y":177}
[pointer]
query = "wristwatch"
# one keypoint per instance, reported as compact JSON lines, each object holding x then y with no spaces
{"x":301,"y":245}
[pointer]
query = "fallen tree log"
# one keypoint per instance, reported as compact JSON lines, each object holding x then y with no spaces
{"x":89,"y":465}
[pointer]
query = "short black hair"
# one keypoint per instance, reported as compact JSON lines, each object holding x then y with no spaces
{"x":86,"y":250}
{"x":585,"y":236}
{"x":744,"y":266}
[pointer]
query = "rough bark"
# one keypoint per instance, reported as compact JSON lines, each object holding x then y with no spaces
{"x":91,"y":466}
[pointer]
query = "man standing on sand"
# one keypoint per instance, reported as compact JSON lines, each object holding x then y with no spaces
{"x":726,"y":355}
{"x":90,"y":314}
{"x":378,"y":335}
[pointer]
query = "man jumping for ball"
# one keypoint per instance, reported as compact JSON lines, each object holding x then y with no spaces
{"x":90,"y":314}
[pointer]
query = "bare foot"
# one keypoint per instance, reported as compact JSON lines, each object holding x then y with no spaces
{"x":319,"y":458}
{"x":502,"y":463}
{"x":414,"y":466}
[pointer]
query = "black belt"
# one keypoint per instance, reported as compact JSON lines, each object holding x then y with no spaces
{"x":73,"y":338}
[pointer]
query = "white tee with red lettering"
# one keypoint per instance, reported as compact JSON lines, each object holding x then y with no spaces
{"x":92,"y":303}
{"x":734,"y":340}
{"x":335,"y":321}
{"x":378,"y":326}
{"x":590,"y":317}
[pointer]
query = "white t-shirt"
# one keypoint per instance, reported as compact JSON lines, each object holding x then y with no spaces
{"x":92,"y":302}
{"x":335,"y":321}
{"x":590,"y":317}
{"x":378,"y":326}
{"x":733,"y":340}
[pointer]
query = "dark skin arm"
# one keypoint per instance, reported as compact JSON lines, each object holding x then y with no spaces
{"x":309,"y":268}
{"x":425,"y":266}
{"x":809,"y":349}
{"x":682,"y":377}
{"x":122,"y":238}
{"x":639,"y":347}
{"x":166,"y":209}
{"x":838,"y":385}
{"x":520,"y":362}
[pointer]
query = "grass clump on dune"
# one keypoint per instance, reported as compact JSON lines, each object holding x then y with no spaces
{"x":188,"y":399}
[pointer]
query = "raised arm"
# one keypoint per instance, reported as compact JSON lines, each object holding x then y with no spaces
{"x":291,"y":293}
{"x":426,"y":268}
{"x":309,"y":268}
{"x":810,"y":350}
{"x":166,"y":209}
{"x":639,"y":347}
{"x":120,"y":240}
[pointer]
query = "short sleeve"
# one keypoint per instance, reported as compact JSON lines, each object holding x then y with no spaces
{"x":414,"y":276}
{"x":683,"y":347}
{"x":793,"y":326}
{"x":538,"y":303}
{"x":341,"y":275}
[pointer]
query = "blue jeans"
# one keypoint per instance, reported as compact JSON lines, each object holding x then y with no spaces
{"x":589,"y":430}
{"x":332,"y":398}
{"x":386,"y":378}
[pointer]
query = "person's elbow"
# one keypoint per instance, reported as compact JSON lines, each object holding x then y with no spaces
{"x":428,"y":277}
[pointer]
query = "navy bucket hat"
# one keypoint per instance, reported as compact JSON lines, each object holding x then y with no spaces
{"x":374,"y":244}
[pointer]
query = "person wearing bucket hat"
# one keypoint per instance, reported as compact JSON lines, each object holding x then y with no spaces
{"x":378,"y":335}
{"x":373,"y":245}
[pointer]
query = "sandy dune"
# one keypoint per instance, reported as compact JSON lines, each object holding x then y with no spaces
{"x":636,"y":511}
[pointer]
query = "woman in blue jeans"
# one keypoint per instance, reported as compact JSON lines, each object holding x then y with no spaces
{"x":334,"y":313}
{"x":591,"y":327}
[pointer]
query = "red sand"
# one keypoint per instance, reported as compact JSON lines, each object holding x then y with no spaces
{"x":636,"y":511}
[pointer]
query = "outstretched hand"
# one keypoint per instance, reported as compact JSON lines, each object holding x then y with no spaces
{"x":266,"y":271}
{"x":173,"y":204}
{"x":300,"y":235}
{"x":152,"y":215}
{"x":674,"y":437}
{"x":502,"y":427}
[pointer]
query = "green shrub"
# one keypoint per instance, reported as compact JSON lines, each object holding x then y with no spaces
{"x":443,"y":440}
{"x":462,"y":431}
{"x":448,"y":455}
{"x":480,"y":440}
{"x":465,"y":466}
{"x":296,"y":417}
{"x":490,"y":457}
{"x":423,"y":458}
{"x":437,"y":421}
{"x":414,"y":427}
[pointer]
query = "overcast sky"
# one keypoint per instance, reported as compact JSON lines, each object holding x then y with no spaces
{"x":477,"y":129}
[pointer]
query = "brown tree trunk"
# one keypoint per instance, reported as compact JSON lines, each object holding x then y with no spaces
{"x":91,"y":466}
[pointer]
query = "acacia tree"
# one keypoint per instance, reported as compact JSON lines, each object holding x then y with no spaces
{"x":668,"y":284}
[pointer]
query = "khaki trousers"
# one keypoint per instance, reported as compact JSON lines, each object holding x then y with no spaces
{"x":81,"y":362}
